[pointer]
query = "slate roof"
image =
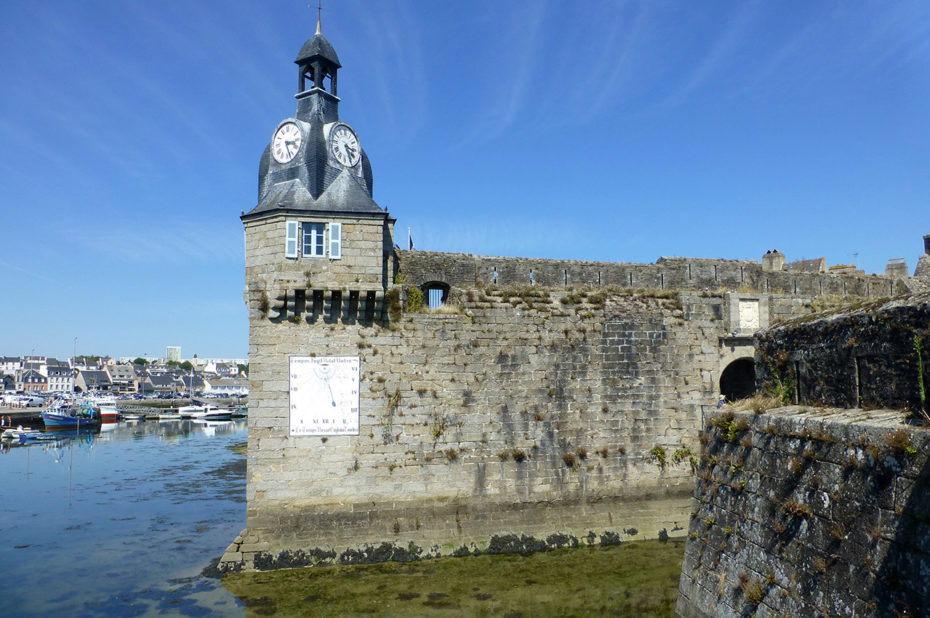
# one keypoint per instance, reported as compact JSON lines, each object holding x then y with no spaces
{"x":197,"y":381}
{"x":818,"y":265}
{"x":317,"y":45}
{"x":162,"y":380}
{"x":34,"y":377}
{"x":93,"y":377}
{"x":344,"y":194}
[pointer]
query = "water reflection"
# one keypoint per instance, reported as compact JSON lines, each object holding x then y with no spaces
{"x":120,"y":522}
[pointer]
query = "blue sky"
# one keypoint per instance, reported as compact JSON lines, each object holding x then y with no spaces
{"x":604,"y":130}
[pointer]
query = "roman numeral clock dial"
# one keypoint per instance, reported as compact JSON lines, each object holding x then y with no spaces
{"x":286,"y":142}
{"x":344,"y":145}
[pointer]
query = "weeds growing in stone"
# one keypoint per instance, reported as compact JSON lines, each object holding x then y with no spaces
{"x":659,"y":455}
{"x":796,"y":509}
{"x":900,"y":443}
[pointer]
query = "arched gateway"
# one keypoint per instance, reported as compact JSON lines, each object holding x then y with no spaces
{"x":738,"y":379}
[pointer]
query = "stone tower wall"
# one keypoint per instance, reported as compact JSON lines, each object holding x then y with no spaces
{"x":362,"y":266}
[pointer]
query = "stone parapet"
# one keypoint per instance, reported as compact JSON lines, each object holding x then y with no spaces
{"x":668,"y":273}
{"x":870,"y":354}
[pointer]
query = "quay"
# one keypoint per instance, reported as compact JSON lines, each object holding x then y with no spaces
{"x":31,"y":418}
{"x":27,"y":417}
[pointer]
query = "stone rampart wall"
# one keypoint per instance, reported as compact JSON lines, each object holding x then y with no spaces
{"x":861,"y":357}
{"x":809,"y":512}
{"x":460,"y":269}
{"x":532,"y":412}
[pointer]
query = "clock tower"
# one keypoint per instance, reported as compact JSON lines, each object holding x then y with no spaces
{"x":318,"y":247}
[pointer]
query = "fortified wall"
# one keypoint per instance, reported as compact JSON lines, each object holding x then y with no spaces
{"x":816,"y":510}
{"x":667,"y":273}
{"x":867,"y":355}
{"x":527,"y":410}
{"x":809,"y":512}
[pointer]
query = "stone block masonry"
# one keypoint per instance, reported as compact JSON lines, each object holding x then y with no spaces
{"x":532,"y":412}
{"x":809,"y":512}
{"x":565,"y":408}
{"x":668,"y":273}
{"x":875,"y":354}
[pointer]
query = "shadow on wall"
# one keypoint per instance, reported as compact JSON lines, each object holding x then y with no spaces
{"x":902,"y":555}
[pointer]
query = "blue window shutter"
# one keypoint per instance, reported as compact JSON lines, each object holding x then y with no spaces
{"x":290,"y":243}
{"x":335,"y":241}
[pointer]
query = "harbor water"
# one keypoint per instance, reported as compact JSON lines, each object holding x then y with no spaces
{"x":121,"y":523}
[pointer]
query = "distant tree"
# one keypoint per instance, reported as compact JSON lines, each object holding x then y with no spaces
{"x":186,"y":366}
{"x":140,"y":361}
{"x":243,"y":369}
{"x":173,"y":363}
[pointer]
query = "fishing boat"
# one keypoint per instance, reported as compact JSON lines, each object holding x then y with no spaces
{"x":106,"y":404}
{"x":109,"y":414}
{"x":68,"y":417}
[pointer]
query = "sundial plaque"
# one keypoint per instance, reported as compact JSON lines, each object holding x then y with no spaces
{"x":324,"y":398}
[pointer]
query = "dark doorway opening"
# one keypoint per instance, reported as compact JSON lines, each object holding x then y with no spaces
{"x":738,"y":380}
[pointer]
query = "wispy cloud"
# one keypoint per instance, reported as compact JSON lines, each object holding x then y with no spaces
{"x":718,"y":56}
{"x":899,"y":33}
{"x":392,"y":59}
{"x":29,"y":271}
{"x":516,"y":69}
{"x":163,"y":242}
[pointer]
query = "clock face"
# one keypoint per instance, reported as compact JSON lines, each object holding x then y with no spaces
{"x":285,"y":143}
{"x":344,"y":146}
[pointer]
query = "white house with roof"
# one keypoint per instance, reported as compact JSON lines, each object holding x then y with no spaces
{"x":226,"y":387}
{"x":60,"y":378}
{"x":9,"y":365}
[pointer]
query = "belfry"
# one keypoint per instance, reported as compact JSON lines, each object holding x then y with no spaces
{"x":315,"y":218}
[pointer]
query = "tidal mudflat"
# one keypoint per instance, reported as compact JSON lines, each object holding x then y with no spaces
{"x":633,"y":579}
